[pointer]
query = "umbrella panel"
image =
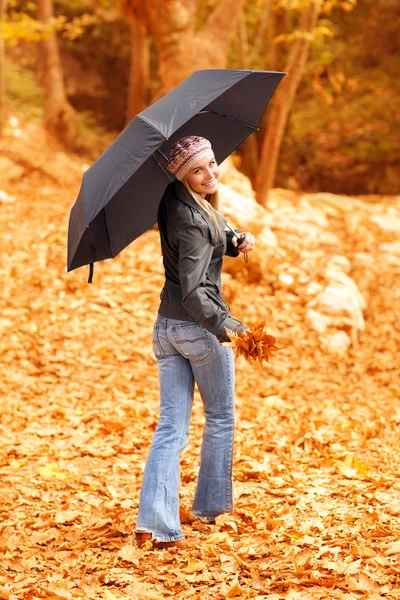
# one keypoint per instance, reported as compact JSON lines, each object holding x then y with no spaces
{"x":133,"y":210}
{"x":94,"y":244}
{"x":247,"y":99}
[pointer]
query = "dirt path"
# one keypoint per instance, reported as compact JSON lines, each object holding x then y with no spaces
{"x":316,"y":459}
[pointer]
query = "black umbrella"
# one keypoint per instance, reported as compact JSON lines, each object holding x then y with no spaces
{"x":120,"y":192}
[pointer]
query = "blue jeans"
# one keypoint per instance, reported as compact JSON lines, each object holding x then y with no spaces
{"x":187,"y":353}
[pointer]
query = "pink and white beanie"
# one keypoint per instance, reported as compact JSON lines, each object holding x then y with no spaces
{"x":186,"y":152}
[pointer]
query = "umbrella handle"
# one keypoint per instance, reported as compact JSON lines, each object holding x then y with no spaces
{"x":90,"y":279}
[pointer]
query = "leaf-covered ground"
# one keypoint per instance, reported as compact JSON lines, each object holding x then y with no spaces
{"x":316,"y":466}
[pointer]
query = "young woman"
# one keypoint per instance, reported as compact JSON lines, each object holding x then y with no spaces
{"x":191,"y":322}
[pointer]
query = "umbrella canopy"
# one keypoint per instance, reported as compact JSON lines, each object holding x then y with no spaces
{"x":121,"y":191}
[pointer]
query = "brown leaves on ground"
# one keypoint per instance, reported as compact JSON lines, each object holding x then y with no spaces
{"x":316,"y":462}
{"x":253,"y":344}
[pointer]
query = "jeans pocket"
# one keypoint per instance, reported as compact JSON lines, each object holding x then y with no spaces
{"x":192,"y":340}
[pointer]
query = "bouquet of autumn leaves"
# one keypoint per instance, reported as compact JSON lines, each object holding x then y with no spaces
{"x":254,"y":344}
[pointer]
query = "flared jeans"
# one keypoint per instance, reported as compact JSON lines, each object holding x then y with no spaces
{"x":187,"y":353}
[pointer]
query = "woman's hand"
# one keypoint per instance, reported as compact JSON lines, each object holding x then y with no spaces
{"x":248,"y":242}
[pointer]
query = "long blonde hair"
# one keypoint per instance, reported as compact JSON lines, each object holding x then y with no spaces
{"x":210,"y":206}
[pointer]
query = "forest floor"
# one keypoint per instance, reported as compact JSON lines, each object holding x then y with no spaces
{"x":316,"y":465}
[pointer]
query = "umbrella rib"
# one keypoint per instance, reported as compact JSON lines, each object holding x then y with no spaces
{"x":162,"y":154}
{"x":108,"y":234}
{"x":227,"y":117}
{"x":160,"y":165}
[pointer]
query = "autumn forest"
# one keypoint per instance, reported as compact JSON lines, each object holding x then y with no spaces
{"x":316,"y":465}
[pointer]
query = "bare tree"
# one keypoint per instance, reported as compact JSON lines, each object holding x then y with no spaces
{"x":3,"y":6}
{"x":283,"y":100}
{"x":60,"y":117}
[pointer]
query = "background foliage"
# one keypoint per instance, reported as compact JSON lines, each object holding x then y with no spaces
{"x":342,"y":134}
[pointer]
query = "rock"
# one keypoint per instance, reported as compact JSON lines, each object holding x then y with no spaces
{"x":388,"y":223}
{"x":9,"y":169}
{"x":341,"y":299}
{"x":306,"y":223}
{"x":6,"y":198}
{"x":290,"y":217}
{"x":237,"y":181}
{"x":317,"y":321}
{"x":314,"y":288}
{"x":244,"y":212}
{"x":340,"y":203}
{"x":391,"y":248}
{"x":362,"y":259}
{"x":341,"y":302}
{"x":286,"y":280}
{"x":338,"y":342}
{"x":340,"y":262}
{"x":280,"y":197}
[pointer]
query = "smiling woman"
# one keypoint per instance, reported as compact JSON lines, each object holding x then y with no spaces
{"x":192,"y":319}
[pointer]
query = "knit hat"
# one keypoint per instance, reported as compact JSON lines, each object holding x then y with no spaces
{"x":186,"y":152}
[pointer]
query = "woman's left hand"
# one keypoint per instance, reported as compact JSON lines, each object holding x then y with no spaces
{"x":248,"y":242}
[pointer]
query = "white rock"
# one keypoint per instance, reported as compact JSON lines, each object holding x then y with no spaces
{"x":338,"y":342}
{"x":391,"y":247}
{"x":317,"y":321}
{"x":280,"y":197}
{"x":292,"y":216}
{"x":241,"y":211}
{"x":340,"y":203}
{"x":314,"y":288}
{"x":286,"y":279}
{"x":6,"y":198}
{"x":363,"y":259}
{"x":341,"y":262}
{"x":339,"y":301}
{"x":9,"y":169}
{"x":339,"y":279}
{"x":388,"y":223}
{"x":237,"y":181}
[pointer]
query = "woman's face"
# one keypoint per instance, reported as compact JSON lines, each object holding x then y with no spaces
{"x":203,"y":176}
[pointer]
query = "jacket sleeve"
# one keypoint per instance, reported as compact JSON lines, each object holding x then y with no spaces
{"x":195,"y":252}
{"x":231,"y":250}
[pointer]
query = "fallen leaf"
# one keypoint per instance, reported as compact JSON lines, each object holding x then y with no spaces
{"x":51,"y":470}
{"x":233,"y":590}
{"x":130,"y":554}
{"x":194,"y":566}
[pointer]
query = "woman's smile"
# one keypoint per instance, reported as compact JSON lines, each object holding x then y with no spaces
{"x":212,"y":182}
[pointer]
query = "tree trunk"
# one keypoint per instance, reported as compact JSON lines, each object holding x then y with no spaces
{"x":282,"y":103}
{"x":60,"y":117}
{"x":278,"y":26}
{"x":243,"y":44}
{"x":139,"y":70}
{"x":182,"y":49}
{"x":3,"y":6}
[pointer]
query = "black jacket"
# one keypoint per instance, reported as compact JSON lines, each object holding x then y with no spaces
{"x":192,"y":256}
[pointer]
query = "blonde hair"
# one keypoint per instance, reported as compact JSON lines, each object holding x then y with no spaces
{"x":210,"y":206}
